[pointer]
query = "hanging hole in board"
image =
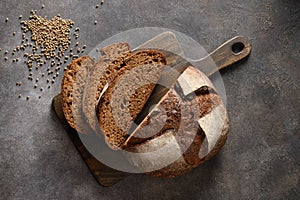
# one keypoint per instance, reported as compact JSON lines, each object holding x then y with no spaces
{"x":237,"y":48}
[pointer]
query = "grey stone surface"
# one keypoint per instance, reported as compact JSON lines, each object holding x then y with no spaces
{"x":261,"y":157}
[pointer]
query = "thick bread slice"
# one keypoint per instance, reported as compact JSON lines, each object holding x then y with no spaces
{"x":197,"y":120}
{"x":104,"y":72}
{"x":127,"y":94}
{"x":80,"y":66}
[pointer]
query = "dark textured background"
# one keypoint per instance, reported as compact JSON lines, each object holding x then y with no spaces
{"x":261,"y":157}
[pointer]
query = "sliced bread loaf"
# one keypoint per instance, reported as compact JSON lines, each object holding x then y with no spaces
{"x":104,"y":72}
{"x":72,"y":89}
{"x":188,"y":126}
{"x":127,"y":94}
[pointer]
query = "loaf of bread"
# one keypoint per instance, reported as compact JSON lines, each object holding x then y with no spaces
{"x":72,"y":89}
{"x":187,"y":126}
{"x":104,"y":72}
{"x":122,"y":101}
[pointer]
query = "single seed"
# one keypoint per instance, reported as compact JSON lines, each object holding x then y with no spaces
{"x":43,"y":6}
{"x":48,"y":80}
{"x":17,"y":59}
{"x":48,"y":86}
{"x":17,"y":83}
{"x":14,"y":60}
{"x":5,"y":58}
{"x":27,"y":98}
{"x":95,"y":22}
{"x":77,"y":43}
{"x":41,"y":89}
{"x":20,"y":16}
{"x":14,"y":33}
{"x":6,"y":20}
{"x":40,"y":97}
{"x":57,"y":73}
{"x":6,"y":52}
{"x":53,"y":81}
{"x":37,"y":80}
{"x":84,"y":46}
{"x":102,"y":1}
{"x":97,"y":6}
{"x":35,"y":86}
{"x":20,"y":95}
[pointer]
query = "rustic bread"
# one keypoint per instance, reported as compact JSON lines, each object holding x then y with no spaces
{"x":187,"y":126}
{"x":104,"y":72}
{"x":72,"y":89}
{"x":122,"y":101}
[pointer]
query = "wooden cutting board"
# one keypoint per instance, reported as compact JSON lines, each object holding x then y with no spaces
{"x":230,"y":52}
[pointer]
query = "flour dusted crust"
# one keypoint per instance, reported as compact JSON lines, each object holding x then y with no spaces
{"x":189,"y":119}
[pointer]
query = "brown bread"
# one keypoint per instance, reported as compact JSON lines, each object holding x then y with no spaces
{"x":122,"y":101}
{"x":72,"y":89}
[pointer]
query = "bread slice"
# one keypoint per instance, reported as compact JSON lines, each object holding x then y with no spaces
{"x":187,"y":126}
{"x":104,"y":72}
{"x":127,"y":94}
{"x":72,"y":89}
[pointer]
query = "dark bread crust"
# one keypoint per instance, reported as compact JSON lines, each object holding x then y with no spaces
{"x":114,"y":134}
{"x":83,"y":64}
{"x":104,"y":72}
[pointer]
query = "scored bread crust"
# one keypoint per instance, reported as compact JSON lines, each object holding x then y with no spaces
{"x":176,"y":112}
{"x":104,"y":72}
{"x":80,"y":66}
{"x":115,"y":135}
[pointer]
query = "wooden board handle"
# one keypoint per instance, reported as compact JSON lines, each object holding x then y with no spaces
{"x":225,"y":55}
